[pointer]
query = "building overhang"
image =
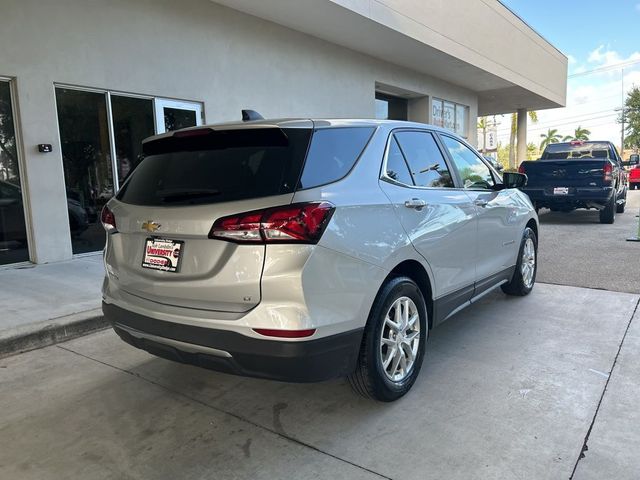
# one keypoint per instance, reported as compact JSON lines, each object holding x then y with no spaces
{"x":481,"y":45}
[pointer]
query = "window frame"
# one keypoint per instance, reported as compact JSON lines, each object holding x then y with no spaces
{"x":383,"y":171}
{"x":494,"y":174}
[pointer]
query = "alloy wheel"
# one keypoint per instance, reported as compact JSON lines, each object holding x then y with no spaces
{"x":528,"y":263}
{"x":400,"y":339}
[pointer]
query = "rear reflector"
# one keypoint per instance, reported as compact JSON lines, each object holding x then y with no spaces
{"x":108,"y":219}
{"x":296,"y":223}
{"x":269,"y":332}
{"x":521,"y":168}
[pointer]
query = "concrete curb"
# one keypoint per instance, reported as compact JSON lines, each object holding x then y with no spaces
{"x":50,"y":332}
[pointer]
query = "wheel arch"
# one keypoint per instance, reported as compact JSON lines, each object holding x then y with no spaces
{"x":418,"y":273}
{"x":533,"y":225}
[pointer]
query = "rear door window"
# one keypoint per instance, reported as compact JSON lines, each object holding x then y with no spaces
{"x":396,"y":167}
{"x":332,"y":154}
{"x":218,"y":166}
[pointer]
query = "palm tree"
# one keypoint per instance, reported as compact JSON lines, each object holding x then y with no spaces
{"x":533,"y":116}
{"x":552,"y":136}
{"x":579,"y":134}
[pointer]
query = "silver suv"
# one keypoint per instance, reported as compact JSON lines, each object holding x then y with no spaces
{"x":302,"y":250}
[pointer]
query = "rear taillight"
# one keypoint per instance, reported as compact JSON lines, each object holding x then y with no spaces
{"x":108,"y":219}
{"x":296,"y":223}
{"x":521,"y":168}
{"x":608,"y":172}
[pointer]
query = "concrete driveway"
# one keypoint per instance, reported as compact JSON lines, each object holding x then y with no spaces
{"x":511,"y":388}
{"x":576,"y":249}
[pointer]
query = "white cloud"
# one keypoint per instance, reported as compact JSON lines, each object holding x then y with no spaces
{"x":572,"y":60}
{"x":604,"y":57}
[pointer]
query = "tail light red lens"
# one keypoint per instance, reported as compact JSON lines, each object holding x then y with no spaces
{"x":608,"y":172}
{"x":108,"y":219}
{"x":296,"y":223}
{"x":269,"y":332}
{"x":521,"y":168}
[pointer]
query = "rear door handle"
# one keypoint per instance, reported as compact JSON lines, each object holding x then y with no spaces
{"x":415,"y":203}
{"x":481,"y":203}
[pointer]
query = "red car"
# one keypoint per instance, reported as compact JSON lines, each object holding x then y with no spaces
{"x":634,"y":177}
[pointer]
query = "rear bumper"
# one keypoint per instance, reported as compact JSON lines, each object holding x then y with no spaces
{"x":231,"y":352}
{"x":577,"y":198}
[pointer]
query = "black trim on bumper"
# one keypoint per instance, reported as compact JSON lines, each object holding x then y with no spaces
{"x":300,"y":361}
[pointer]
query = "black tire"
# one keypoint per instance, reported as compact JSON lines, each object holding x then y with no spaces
{"x":369,"y":378}
{"x":517,"y":286}
{"x":620,"y":207}
{"x":608,"y":213}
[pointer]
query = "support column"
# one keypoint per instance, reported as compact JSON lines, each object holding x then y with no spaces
{"x":522,"y":136}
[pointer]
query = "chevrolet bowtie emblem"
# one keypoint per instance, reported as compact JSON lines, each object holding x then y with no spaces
{"x":150,"y":226}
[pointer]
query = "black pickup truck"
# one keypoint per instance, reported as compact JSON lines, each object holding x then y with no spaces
{"x":578,"y":175}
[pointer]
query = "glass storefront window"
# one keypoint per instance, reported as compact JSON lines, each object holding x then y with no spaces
{"x":437,"y":112}
{"x":132,"y":122}
{"x":462,"y":116}
{"x":84,"y":137}
{"x":450,"y":115}
{"x":13,"y":231}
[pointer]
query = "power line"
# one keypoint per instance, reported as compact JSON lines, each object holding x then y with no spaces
{"x":606,"y":68}
{"x":569,"y":119}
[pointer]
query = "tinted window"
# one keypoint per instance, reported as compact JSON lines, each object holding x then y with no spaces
{"x":397,"y":168}
{"x":332,"y":154}
{"x":568,"y":151}
{"x":218,"y":166}
{"x":425,"y":160}
{"x":473,"y":171}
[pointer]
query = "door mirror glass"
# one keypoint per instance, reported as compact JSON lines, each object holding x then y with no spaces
{"x":514,"y":180}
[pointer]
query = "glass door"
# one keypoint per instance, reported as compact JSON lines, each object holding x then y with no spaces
{"x":174,"y":115}
{"x":13,"y":230}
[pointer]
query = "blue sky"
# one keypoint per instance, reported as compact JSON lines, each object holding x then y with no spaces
{"x":593,"y":34}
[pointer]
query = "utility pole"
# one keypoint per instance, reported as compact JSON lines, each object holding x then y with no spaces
{"x":622,"y":115}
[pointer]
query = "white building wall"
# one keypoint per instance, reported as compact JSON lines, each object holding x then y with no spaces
{"x":192,"y":50}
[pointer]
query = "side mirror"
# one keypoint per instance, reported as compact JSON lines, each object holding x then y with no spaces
{"x":514,"y":180}
{"x":633,"y":160}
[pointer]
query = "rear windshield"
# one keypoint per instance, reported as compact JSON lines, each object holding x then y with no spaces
{"x":567,"y":151}
{"x":223,"y":166}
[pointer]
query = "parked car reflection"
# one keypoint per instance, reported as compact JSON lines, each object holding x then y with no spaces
{"x":12,"y":223}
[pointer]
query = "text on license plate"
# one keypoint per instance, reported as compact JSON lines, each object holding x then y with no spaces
{"x":162,"y":254}
{"x":561,"y":191}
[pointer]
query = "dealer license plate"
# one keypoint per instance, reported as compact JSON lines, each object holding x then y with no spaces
{"x":162,"y":254}
{"x":561,"y":191}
